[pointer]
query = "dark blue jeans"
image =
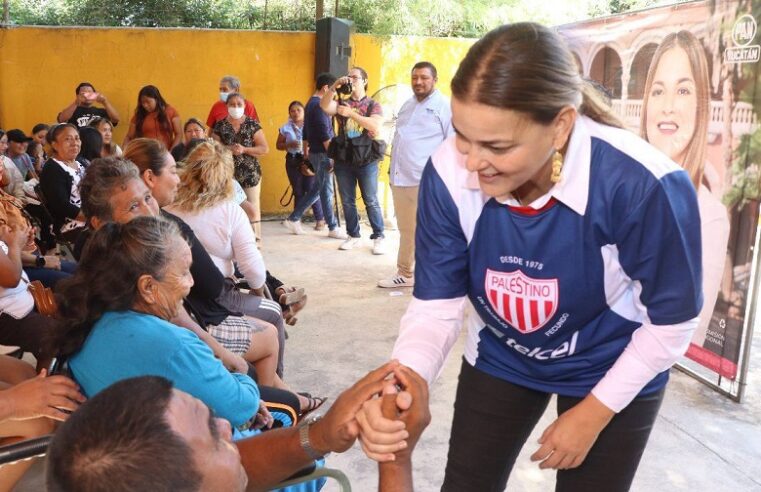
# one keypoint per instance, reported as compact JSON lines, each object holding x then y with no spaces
{"x":322,"y":190}
{"x":302,"y":185}
{"x":50,"y":277}
{"x":367,"y":179}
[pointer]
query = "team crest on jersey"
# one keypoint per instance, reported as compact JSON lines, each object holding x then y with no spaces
{"x":526,"y":303}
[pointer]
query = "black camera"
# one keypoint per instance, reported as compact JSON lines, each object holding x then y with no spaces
{"x":345,"y":89}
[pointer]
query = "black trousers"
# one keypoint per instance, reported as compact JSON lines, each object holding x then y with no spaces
{"x":493,"y":418}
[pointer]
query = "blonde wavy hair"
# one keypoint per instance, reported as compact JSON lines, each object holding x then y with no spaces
{"x":206,"y":178}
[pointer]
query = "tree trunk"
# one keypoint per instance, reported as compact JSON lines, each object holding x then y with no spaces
{"x":336,"y":11}
{"x":320,"y":12}
{"x":6,"y":13}
{"x":264,"y":21}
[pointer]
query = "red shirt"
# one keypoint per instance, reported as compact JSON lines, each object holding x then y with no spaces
{"x":219,"y":112}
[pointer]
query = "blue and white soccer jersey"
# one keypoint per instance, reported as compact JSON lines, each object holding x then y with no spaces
{"x":559,"y":289}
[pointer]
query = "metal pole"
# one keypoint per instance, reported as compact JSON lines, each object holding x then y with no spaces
{"x":750,"y":316}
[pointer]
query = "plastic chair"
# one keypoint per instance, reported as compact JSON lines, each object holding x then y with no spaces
{"x":335,"y":474}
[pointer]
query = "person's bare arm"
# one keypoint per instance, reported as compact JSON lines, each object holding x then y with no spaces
{"x":327,"y":103}
{"x":113,"y":114}
{"x":68,"y":111}
{"x":177,"y":128}
{"x":273,"y":456}
{"x":130,"y":133}
{"x":260,"y":147}
{"x":411,"y":407}
{"x":280,"y":143}
{"x":10,"y":263}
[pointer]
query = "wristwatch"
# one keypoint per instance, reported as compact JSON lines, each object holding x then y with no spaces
{"x":304,"y":426}
{"x":40,"y":262}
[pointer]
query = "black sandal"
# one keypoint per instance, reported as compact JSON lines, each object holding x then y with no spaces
{"x":313,"y":403}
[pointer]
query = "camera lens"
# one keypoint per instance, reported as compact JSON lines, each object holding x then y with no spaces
{"x":345,"y":89}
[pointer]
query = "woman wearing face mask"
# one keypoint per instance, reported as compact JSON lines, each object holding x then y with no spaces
{"x":577,"y":246}
{"x":228,"y":85}
{"x":245,"y":138}
{"x":154,"y":118}
{"x":675,"y":114}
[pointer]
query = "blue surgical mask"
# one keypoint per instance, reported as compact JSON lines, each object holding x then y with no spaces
{"x":223,"y":96}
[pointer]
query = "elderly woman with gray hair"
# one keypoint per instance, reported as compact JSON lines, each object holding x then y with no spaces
{"x":116,"y":311}
{"x":229,"y":84}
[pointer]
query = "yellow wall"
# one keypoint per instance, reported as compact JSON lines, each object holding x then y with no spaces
{"x":40,"y":67}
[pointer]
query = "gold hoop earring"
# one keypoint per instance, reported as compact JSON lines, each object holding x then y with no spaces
{"x":557,"y":167}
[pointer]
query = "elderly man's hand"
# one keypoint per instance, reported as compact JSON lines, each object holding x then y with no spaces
{"x":338,"y":429}
{"x":380,"y":418}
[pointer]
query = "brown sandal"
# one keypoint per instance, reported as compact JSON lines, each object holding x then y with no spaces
{"x":291,"y":295}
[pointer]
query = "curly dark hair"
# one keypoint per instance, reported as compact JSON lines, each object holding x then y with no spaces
{"x":153,"y":92}
{"x":106,"y":280}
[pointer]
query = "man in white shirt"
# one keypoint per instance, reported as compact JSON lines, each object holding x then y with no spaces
{"x":424,"y":122}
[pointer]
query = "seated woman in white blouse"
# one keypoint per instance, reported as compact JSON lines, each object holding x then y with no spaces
{"x":59,"y":180}
{"x":205,"y":202}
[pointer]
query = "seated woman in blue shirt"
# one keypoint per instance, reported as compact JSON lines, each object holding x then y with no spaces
{"x":115,"y":310}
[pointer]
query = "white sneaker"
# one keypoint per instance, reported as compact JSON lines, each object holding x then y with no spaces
{"x":379,"y":246}
{"x":294,"y":227}
{"x":350,"y":243}
{"x":396,"y":281}
{"x":338,"y":234}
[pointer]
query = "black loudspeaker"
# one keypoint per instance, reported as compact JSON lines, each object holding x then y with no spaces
{"x":331,"y":47}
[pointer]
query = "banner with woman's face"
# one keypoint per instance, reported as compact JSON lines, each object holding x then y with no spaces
{"x":684,"y":78}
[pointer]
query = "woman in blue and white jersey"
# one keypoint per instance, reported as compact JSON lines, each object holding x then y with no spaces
{"x":576,"y":245}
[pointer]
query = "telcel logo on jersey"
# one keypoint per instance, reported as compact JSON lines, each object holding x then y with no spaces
{"x":526,"y":303}
{"x":563,"y":350}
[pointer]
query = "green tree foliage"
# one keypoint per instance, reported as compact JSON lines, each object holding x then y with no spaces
{"x":462,"y":18}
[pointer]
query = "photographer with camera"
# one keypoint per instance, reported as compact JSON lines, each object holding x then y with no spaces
{"x":82,"y":110}
{"x":356,"y":153}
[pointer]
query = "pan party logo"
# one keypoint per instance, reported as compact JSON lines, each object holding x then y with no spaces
{"x":743,"y":33}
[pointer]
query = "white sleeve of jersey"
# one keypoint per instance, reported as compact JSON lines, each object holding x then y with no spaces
{"x":652,"y":350}
{"x":427,"y":332}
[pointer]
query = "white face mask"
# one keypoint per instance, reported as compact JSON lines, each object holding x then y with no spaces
{"x":235,"y":112}
{"x":223,"y":96}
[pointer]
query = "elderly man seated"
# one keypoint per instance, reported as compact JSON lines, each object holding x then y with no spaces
{"x":140,"y":434}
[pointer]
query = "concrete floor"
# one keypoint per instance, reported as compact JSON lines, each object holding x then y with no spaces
{"x":701,"y":441}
